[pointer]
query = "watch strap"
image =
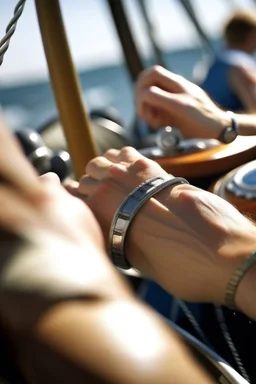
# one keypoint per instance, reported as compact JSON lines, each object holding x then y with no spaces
{"x":232,"y":128}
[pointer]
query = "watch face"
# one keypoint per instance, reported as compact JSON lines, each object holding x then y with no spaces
{"x":229,"y":135}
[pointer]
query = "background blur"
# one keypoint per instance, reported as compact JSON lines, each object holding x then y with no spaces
{"x":25,"y":92}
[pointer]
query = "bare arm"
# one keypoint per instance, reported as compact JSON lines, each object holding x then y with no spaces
{"x":107,"y":342}
{"x":67,"y":314}
{"x":185,"y":238}
{"x":247,"y":124}
{"x":88,"y":333}
{"x":243,"y":81}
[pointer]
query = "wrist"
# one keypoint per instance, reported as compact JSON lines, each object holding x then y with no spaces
{"x":151,"y":228}
{"x":224,"y":121}
{"x":148,"y":228}
{"x":150,"y":241}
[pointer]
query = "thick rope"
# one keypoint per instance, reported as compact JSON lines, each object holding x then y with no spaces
{"x":10,"y":29}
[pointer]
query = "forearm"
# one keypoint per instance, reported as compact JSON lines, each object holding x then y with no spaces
{"x":220,"y":120}
{"x":70,"y":318}
{"x":103,"y":342}
{"x":247,"y":124}
{"x":209,"y":244}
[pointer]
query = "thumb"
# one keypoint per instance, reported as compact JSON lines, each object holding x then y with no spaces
{"x":50,"y":178}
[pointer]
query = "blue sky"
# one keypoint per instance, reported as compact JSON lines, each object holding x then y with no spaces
{"x":92,"y":36}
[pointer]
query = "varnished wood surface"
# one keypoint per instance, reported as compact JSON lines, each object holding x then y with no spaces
{"x":212,"y":161}
{"x":65,"y":83}
{"x":245,"y":206}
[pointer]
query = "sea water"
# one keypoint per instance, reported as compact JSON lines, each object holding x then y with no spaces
{"x":32,"y":105}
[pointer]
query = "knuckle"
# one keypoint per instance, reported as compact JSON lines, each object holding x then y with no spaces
{"x":110,"y":152}
{"x":147,"y":167}
{"x":93,"y":164}
{"x":116,"y":172}
{"x":148,"y":75}
{"x":127,"y":151}
{"x":141,"y":164}
{"x":157,"y":69}
{"x":89,"y":166}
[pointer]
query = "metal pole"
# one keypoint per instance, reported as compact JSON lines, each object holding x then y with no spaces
{"x":133,"y":60}
{"x":65,"y":84}
{"x":151,"y":32}
{"x":187,"y":5}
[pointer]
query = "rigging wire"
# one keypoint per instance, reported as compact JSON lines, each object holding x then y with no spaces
{"x":188,"y":7}
{"x":151,"y":33}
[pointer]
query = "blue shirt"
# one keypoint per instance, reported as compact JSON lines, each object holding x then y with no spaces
{"x":216,"y":82}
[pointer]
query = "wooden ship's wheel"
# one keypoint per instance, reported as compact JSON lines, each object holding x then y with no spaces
{"x":202,"y":158}
{"x":192,"y":159}
{"x":238,"y":187}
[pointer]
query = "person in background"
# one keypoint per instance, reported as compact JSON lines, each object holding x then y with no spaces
{"x":230,"y":79}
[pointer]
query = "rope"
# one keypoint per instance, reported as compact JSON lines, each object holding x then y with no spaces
{"x":10,"y":29}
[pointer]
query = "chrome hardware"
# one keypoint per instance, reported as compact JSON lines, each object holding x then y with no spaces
{"x":243,"y":183}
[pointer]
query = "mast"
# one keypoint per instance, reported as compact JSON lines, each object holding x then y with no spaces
{"x":188,"y":7}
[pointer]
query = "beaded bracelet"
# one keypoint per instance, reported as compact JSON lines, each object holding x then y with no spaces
{"x":236,"y":278}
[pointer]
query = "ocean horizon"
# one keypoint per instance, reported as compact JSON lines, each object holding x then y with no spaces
{"x":32,"y":104}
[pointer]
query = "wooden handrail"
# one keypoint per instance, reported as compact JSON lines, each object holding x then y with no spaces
{"x":66,"y":87}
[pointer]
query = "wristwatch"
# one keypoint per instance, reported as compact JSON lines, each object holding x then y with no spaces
{"x":230,"y":133}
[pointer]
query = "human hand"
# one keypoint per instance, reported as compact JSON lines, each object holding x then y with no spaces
{"x":61,"y":300}
{"x":57,"y":248}
{"x":187,"y":239}
{"x":164,"y":98}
